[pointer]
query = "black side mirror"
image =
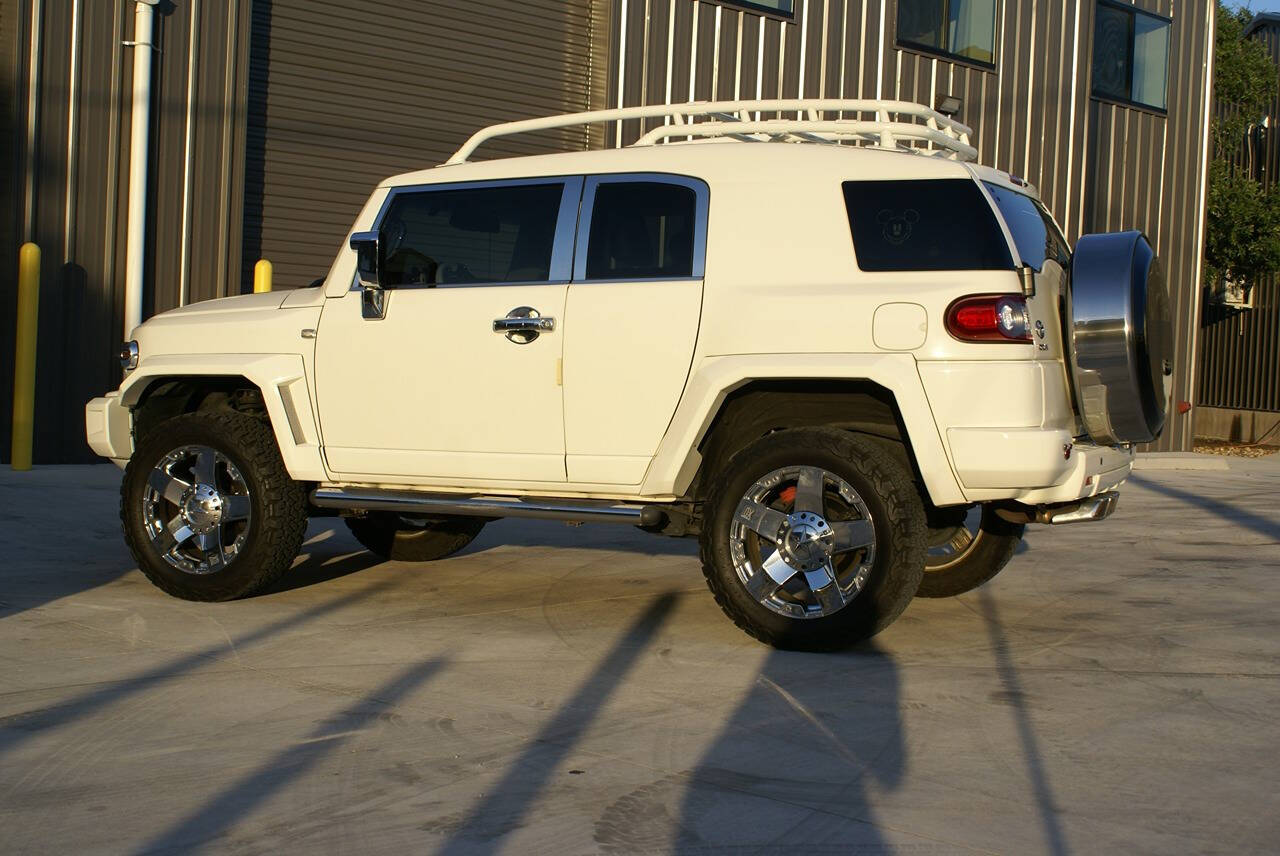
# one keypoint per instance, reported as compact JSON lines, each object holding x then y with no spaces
{"x":368,"y":258}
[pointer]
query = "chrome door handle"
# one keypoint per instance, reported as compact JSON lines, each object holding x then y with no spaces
{"x":523,"y":324}
{"x":537,"y":325}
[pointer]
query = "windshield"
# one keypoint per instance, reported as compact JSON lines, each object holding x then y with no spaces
{"x":1035,"y":234}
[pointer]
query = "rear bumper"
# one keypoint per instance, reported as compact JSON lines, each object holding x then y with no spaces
{"x":108,"y":427}
{"x":1033,"y":465}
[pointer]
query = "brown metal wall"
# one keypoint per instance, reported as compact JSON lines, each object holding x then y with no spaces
{"x":10,"y":201}
{"x":1099,"y":166}
{"x":333,"y":110}
{"x":1239,"y":363}
{"x":80,"y":163}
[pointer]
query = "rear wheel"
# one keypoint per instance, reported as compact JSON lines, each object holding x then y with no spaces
{"x":414,"y":539}
{"x":967,"y":547}
{"x":814,"y":540}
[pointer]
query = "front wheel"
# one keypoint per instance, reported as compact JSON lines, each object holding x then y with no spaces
{"x":967,"y":547}
{"x":815,"y":539}
{"x":208,"y":508}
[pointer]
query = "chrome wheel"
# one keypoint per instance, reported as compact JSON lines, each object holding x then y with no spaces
{"x":949,"y":545}
{"x":802,"y":542}
{"x":197,"y":509}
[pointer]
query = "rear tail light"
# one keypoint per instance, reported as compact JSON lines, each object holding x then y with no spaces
{"x":990,"y":318}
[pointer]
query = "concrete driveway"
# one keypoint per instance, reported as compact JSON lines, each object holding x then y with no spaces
{"x":575,"y":690}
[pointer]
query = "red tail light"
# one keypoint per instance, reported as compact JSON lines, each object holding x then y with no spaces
{"x":990,"y":318}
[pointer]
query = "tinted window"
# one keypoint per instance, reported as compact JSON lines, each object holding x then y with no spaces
{"x":963,"y":28}
{"x":1130,"y":55}
{"x":937,"y":224}
{"x":641,"y":229}
{"x":778,"y":7}
{"x":1034,"y":232}
{"x":492,"y":234}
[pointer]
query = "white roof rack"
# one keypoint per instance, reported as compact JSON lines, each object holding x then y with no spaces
{"x":895,"y":124}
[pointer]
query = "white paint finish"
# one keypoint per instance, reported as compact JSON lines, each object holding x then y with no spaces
{"x":1010,"y":458}
{"x":431,"y":390}
{"x":900,"y":326}
{"x":987,"y":394}
{"x":714,"y":378}
{"x":627,"y":349}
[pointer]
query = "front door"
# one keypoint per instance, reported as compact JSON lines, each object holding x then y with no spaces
{"x":432,"y":390}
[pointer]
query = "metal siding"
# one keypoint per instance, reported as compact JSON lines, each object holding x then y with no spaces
{"x":1239,"y":366}
{"x":1100,"y":166}
{"x":329,"y":116}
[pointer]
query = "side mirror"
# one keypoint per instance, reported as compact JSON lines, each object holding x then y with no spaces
{"x":373,"y":300}
{"x":368,"y":258}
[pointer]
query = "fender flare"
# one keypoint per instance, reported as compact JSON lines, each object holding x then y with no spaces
{"x":678,"y":458}
{"x":282,"y":378}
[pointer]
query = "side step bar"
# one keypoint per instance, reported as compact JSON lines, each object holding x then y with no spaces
{"x":413,"y":502}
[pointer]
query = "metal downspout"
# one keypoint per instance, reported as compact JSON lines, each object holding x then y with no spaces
{"x":139,"y":150}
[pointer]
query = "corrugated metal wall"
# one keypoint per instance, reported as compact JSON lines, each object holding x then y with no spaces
{"x":1240,"y":358}
{"x":10,"y":202}
{"x":331,"y":113}
{"x":1100,"y":166}
{"x":79,"y":166}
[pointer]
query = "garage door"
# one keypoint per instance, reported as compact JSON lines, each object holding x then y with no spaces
{"x":341,"y":95}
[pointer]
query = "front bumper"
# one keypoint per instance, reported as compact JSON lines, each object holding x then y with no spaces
{"x":108,"y":427}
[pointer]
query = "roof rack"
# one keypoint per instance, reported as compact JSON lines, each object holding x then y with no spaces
{"x":899,"y":125}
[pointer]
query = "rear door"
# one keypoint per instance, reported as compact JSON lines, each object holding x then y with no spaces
{"x":631,"y":320}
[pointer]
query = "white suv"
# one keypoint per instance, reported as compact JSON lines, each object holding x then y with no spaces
{"x":848,"y":359}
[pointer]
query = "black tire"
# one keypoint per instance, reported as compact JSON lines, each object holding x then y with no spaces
{"x":402,"y":539}
{"x":272,"y":534}
{"x":971,"y":563}
{"x":898,"y":522}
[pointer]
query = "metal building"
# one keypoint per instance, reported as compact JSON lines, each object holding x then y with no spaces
{"x":1238,"y":396}
{"x":272,"y":119}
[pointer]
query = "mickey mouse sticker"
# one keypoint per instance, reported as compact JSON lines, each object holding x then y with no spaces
{"x":897,"y":227}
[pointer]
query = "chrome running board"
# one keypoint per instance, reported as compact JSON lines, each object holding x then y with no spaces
{"x":413,"y":502}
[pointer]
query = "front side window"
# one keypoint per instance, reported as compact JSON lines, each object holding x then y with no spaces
{"x":933,"y":224}
{"x":1130,"y":55}
{"x":642,"y":230}
{"x":470,"y":235}
{"x":955,"y":28}
{"x":1035,"y":234}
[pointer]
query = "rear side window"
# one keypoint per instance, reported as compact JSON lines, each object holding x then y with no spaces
{"x":935,"y":224}
{"x":641,"y":230}
{"x":473,"y":235}
{"x":1034,"y":232}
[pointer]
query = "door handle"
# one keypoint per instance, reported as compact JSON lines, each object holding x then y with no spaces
{"x":523,"y":324}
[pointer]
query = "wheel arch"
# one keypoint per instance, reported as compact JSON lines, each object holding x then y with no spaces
{"x":735,"y":400}
{"x":274,"y":386}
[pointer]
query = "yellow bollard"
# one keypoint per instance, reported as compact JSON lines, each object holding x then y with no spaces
{"x":24,"y":357}
{"x":262,"y":277}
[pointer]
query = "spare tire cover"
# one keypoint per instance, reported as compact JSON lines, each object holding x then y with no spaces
{"x":1120,"y":339}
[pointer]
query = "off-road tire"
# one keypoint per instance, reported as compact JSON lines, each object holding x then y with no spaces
{"x":899,"y":525}
{"x":993,"y":545}
{"x":392,"y":537}
{"x":279,"y":506}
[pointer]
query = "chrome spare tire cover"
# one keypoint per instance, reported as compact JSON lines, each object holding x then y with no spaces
{"x":1121,"y":340}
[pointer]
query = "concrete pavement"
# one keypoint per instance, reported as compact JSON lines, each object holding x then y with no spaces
{"x":576,"y":690}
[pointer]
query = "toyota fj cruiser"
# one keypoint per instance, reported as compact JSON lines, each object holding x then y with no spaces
{"x":847,"y":358}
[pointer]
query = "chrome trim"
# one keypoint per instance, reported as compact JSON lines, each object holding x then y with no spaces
{"x":413,"y":502}
{"x":562,"y":249}
{"x":1086,"y":510}
{"x":523,"y":325}
{"x":702,"y":205}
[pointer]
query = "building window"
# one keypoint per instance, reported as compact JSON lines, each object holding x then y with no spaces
{"x":963,"y":29}
{"x":781,"y":8}
{"x":1130,"y":55}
